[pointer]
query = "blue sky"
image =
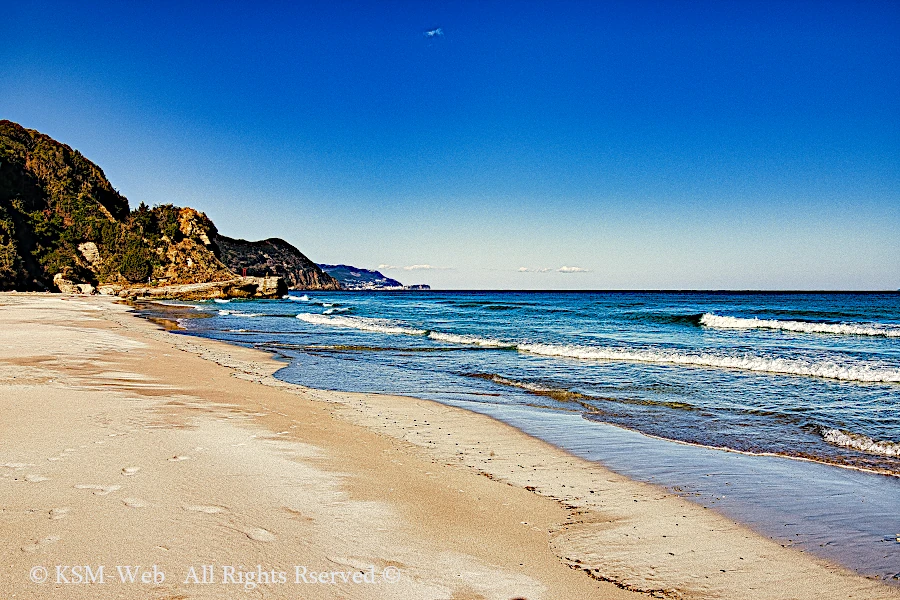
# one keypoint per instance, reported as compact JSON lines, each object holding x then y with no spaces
{"x":640,"y":144}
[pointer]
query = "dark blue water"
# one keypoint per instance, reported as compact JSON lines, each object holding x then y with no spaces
{"x":814,"y":376}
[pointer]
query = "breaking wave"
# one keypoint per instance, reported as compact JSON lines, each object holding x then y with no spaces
{"x":872,"y":329}
{"x":363,"y":323}
{"x":780,"y":366}
{"x":856,"y":441}
{"x":390,"y":327}
{"x":237,"y":313}
{"x":468,"y":339}
{"x":758,"y":364}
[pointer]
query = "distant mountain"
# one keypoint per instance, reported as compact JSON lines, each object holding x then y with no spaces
{"x":274,"y":257}
{"x":354,"y":278}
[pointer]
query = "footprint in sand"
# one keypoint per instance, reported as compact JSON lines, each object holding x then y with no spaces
{"x":31,"y":478}
{"x":134,"y":503}
{"x":16,"y":466}
{"x":179,"y":458}
{"x":258,"y":534}
{"x":35,"y":546}
{"x":59,"y":513}
{"x":99,"y":490}
{"x":206,"y":509}
{"x":129,"y":471}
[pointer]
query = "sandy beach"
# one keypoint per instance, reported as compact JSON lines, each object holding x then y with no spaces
{"x":128,"y":451}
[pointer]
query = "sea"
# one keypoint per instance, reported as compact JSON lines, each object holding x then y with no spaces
{"x":780,"y":410}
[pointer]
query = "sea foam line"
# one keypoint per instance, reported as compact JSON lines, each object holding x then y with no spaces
{"x":237,"y":313}
{"x":385,"y":326}
{"x":856,"y":441}
{"x":468,"y":339}
{"x":363,"y":323}
{"x":778,"y":366}
{"x":871,"y":329}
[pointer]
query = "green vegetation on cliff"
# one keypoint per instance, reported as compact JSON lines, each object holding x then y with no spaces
{"x":59,"y":214}
{"x":60,"y":217}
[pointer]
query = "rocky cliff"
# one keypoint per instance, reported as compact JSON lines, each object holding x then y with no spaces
{"x":274,"y":257}
{"x":63,"y":226}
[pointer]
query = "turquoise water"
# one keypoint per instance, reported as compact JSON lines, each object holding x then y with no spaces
{"x":813,"y":376}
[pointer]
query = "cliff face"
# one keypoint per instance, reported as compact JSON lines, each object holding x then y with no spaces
{"x":49,"y":196}
{"x":59,"y":216}
{"x":274,"y":257}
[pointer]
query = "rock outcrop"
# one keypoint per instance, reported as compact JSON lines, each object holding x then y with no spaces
{"x":67,"y":286}
{"x":238,"y":287}
{"x":274,"y":257}
{"x":64,"y":227}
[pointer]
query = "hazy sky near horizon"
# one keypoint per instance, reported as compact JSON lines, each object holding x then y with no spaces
{"x":558,"y":145}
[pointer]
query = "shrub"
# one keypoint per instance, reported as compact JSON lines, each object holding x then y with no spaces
{"x":135,"y":266}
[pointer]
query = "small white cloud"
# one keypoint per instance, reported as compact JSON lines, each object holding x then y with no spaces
{"x":433,"y":33}
{"x":572,"y":270}
{"x":527,"y":270}
{"x":524,"y":269}
{"x":424,"y":268}
{"x":385,"y":267}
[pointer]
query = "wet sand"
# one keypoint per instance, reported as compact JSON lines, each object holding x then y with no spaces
{"x":125,"y":445}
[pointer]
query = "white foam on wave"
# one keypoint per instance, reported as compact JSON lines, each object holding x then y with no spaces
{"x":856,"y":441}
{"x":331,"y":311}
{"x":531,"y":387}
{"x":468,"y":339}
{"x":758,"y":364}
{"x":363,"y":323}
{"x":180,"y":304}
{"x":780,"y":366}
{"x":385,"y":326}
{"x":303,"y":298}
{"x":221,"y":300}
{"x":871,"y":329}
{"x":237,"y":313}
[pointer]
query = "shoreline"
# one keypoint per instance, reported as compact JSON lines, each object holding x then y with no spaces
{"x":174,"y":325}
{"x":845,"y":516}
{"x":611,"y":527}
{"x":769,"y":533}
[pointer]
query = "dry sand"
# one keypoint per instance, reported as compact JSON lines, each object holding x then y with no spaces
{"x":124,"y":445}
